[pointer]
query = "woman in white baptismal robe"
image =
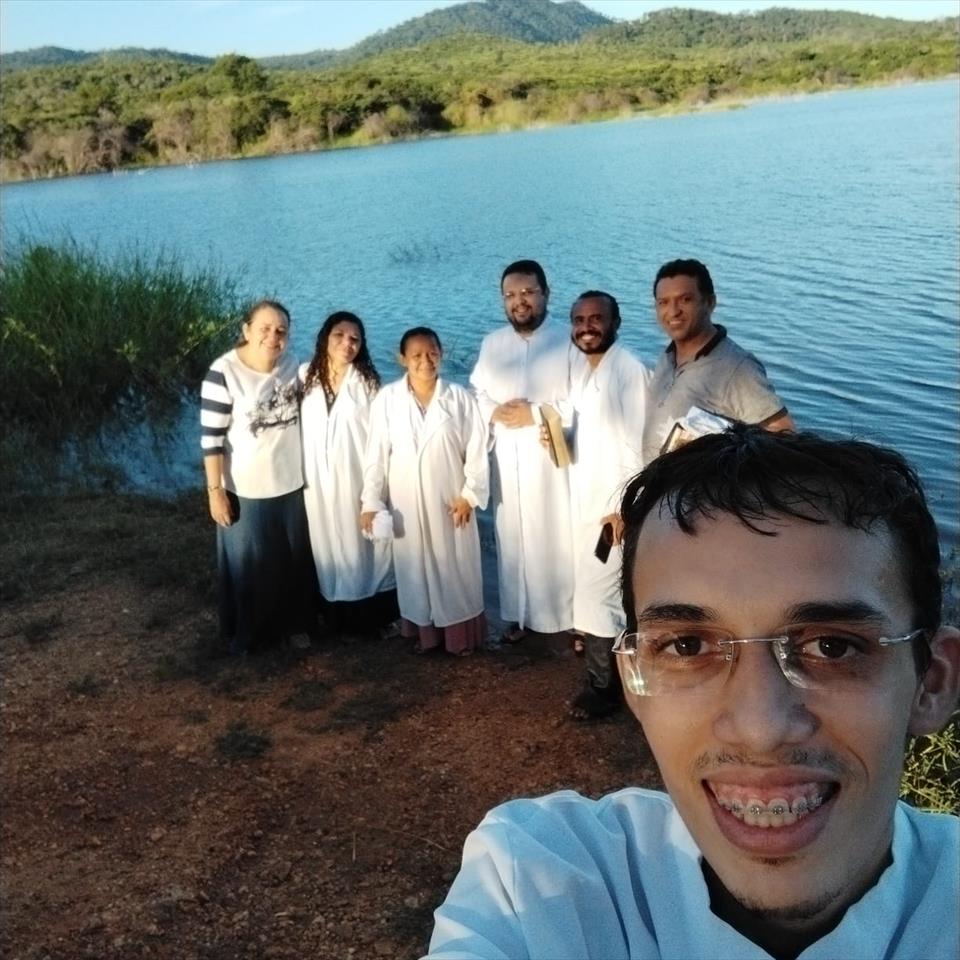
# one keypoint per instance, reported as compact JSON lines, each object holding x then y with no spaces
{"x":355,"y":574}
{"x":426,"y":463}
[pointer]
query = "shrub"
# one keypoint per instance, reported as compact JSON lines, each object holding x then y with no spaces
{"x":85,"y":340}
{"x":931,"y":777}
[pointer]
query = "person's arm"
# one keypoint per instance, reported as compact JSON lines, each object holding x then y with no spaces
{"x":778,"y":422}
{"x":751,"y":398}
{"x":635,"y":407}
{"x":216,"y":411}
{"x":217,"y":500}
{"x":513,"y":414}
{"x":480,"y":384}
{"x":478,"y":919}
{"x":376,"y":461}
{"x":476,"y":462}
{"x":632,"y":386}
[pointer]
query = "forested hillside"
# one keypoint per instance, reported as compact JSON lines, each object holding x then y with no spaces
{"x":682,"y":28}
{"x":532,"y":21}
{"x":60,"y":56}
{"x":113,"y":113}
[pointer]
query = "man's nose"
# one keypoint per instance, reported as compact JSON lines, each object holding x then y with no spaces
{"x":760,"y":711}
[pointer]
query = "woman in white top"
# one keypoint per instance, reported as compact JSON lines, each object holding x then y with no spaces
{"x":250,"y":425}
{"x":355,"y":574}
{"x":426,"y":462}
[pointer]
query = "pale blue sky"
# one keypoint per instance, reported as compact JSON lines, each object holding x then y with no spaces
{"x":266,"y":27}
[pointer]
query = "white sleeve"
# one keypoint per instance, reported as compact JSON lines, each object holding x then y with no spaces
{"x":636,"y":403}
{"x":376,"y":460}
{"x":564,"y":405}
{"x":476,"y":466}
{"x":478,"y":920}
{"x":480,"y":383}
{"x":216,"y":410}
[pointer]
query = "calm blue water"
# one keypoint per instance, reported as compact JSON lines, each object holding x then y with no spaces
{"x":830,"y":225}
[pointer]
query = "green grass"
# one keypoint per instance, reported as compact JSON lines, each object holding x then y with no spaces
{"x":87,"y":341}
{"x":931,"y":774}
{"x":931,"y":777}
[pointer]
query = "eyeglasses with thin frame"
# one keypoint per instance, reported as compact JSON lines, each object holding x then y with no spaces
{"x":526,"y":292}
{"x":698,"y":659}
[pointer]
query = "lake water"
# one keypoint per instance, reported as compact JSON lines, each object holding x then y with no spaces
{"x":829,"y":223}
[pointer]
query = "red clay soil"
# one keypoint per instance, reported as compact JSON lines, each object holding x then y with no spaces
{"x":163,"y":801}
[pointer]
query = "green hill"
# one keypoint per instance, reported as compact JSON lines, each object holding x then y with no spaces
{"x":60,"y":56}
{"x":684,"y":29}
{"x":530,"y":21}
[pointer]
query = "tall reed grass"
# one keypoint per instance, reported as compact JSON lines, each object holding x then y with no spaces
{"x":87,"y":340}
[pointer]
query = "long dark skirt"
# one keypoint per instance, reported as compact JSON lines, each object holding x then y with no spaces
{"x":267,"y":580}
{"x":361,"y":616}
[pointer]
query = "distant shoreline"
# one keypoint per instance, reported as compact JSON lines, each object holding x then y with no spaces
{"x":719,"y":105}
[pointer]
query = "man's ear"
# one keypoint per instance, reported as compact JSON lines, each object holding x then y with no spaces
{"x":939,"y":688}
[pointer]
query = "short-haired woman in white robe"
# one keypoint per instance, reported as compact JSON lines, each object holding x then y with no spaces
{"x":426,"y":463}
{"x":355,"y":574}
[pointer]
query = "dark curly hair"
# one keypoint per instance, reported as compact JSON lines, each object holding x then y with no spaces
{"x":753,"y":475}
{"x":319,"y":370}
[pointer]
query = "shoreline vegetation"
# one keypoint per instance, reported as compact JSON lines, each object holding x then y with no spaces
{"x":93,"y":345}
{"x":115,"y":114}
{"x":718,"y":105}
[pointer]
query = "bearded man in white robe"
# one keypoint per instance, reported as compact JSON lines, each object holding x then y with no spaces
{"x":608,"y":394}
{"x":521,"y":366}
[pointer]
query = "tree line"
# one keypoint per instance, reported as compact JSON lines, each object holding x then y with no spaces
{"x":110,"y":115}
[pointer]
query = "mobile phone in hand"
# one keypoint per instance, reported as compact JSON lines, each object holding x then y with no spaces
{"x":602,"y":550}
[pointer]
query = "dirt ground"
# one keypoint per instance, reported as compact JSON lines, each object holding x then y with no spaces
{"x":161,"y":800}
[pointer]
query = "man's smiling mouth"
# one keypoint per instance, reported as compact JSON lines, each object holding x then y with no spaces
{"x":771,"y":807}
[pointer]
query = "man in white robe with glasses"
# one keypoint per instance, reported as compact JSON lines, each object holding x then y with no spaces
{"x":521,"y":366}
{"x":784,"y":640}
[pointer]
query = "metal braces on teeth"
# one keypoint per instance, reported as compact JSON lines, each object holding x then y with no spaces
{"x":800,"y":807}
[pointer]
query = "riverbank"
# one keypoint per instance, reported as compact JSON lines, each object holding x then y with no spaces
{"x":696,"y":100}
{"x":161,"y":800}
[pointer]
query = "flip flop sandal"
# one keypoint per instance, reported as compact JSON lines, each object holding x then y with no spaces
{"x":512,"y":636}
{"x":389,"y":632}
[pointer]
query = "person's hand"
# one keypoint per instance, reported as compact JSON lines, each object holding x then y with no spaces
{"x":366,"y":521}
{"x":513,"y":414}
{"x":616,"y":525}
{"x":219,"y":504}
{"x":460,"y":510}
{"x":544,"y":437}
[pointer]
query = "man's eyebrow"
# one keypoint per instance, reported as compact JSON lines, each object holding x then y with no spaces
{"x":821,"y":611}
{"x":691,"y":613}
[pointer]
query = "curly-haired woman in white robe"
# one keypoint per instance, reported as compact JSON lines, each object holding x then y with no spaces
{"x":339,"y":384}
